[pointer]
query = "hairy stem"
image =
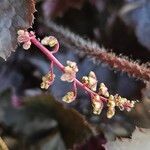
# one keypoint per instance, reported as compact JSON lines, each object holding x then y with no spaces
{"x":93,"y":50}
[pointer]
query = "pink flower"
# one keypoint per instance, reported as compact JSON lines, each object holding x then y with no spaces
{"x":128,"y":105}
{"x":70,"y":72}
{"x":123,"y":103}
{"x":24,"y":37}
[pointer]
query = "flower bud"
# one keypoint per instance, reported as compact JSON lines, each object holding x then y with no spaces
{"x":52,"y":41}
{"x":90,"y":81}
{"x":47,"y":80}
{"x":69,"y":97}
{"x":49,"y":40}
{"x":97,"y":104}
{"x":70,"y":72}
{"x":110,"y":112}
{"x":103,"y":90}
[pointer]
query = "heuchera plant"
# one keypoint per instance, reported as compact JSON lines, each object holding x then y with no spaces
{"x":99,"y":95}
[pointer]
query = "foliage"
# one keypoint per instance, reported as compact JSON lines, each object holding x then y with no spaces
{"x":47,"y":118}
{"x":138,"y":141}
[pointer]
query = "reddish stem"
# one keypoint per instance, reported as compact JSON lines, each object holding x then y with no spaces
{"x":56,"y":48}
{"x":74,"y":88}
{"x":60,"y":66}
{"x":51,"y":67}
{"x":47,"y":53}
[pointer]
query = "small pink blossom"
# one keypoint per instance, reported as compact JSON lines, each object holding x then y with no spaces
{"x":128,"y":105}
{"x":24,"y":37}
{"x":123,"y":103}
{"x":70,"y":72}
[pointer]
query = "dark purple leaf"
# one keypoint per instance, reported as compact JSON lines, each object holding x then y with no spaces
{"x":14,"y":15}
{"x":139,"y":140}
{"x":137,"y":15}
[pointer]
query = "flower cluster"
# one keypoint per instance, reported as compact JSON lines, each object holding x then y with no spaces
{"x":99,"y":95}
{"x":103,"y":90}
{"x":49,"y":40}
{"x":123,"y":103}
{"x":47,"y":80}
{"x":120,"y":102}
{"x":69,"y":97}
{"x":112,"y":101}
{"x":90,"y":81}
{"x":97,"y":104}
{"x":70,"y":72}
{"x":111,"y":106}
{"x":24,"y":37}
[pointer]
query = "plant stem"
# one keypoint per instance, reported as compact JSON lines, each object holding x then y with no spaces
{"x":49,"y":55}
{"x":52,"y":58}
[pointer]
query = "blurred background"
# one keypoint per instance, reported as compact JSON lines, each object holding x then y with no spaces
{"x":34,"y":119}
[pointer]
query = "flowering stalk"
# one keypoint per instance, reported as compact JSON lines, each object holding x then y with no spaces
{"x":88,"y":83}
